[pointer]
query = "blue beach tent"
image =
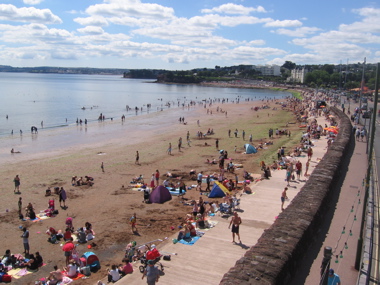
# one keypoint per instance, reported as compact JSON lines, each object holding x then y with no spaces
{"x":218,"y":190}
{"x":249,"y":148}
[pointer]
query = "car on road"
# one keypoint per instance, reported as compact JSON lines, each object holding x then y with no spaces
{"x":321,"y":104}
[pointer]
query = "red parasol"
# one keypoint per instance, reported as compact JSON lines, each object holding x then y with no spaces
{"x":68,"y":246}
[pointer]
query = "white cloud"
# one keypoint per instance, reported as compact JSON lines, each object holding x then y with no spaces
{"x":370,"y":22}
{"x":9,"y":12}
{"x":72,"y":12}
{"x":92,"y":21}
{"x":231,"y":8}
{"x":283,"y":23}
{"x":298,"y":33}
{"x":122,"y":8}
{"x":256,"y":43}
{"x":32,"y":2}
{"x":91,"y":30}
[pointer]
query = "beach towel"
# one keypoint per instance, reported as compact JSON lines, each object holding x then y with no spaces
{"x":66,"y":280}
{"x":42,"y":216}
{"x":189,"y":241}
{"x":34,"y":220}
{"x":20,"y":272}
{"x":79,"y":276}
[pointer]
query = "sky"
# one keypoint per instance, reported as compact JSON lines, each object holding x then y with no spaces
{"x":183,"y":34}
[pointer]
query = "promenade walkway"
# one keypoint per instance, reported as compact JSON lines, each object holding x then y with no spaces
{"x":214,"y":254}
{"x":348,"y":214}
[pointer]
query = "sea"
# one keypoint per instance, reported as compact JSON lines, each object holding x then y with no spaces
{"x":54,"y":103}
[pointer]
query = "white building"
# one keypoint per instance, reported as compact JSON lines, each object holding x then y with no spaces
{"x":298,"y":75}
{"x":272,"y":70}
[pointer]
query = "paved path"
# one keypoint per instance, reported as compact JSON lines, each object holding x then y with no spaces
{"x":213,"y":255}
{"x":343,"y":217}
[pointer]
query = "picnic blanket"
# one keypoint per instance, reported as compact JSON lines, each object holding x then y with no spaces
{"x":189,"y":241}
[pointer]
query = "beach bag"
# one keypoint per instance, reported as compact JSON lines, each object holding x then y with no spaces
{"x":167,"y":257}
{"x":52,"y":239}
{"x":6,"y":278}
{"x":86,"y":270}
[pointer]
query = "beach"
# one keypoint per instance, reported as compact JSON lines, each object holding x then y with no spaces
{"x":109,"y":203}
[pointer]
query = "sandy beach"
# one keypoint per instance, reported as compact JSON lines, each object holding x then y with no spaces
{"x":107,"y":205}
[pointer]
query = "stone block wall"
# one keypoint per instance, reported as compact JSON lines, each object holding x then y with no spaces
{"x":279,"y":251}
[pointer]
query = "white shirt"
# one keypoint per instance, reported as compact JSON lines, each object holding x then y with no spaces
{"x":72,"y":270}
{"x":115,"y":274}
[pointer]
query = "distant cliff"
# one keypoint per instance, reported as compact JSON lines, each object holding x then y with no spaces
{"x":63,"y":70}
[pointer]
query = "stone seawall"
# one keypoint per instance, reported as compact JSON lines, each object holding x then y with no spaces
{"x":281,"y":248}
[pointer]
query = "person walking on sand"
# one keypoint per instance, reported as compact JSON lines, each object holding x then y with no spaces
{"x":17,"y":182}
{"x":235,"y":222}
{"x":217,"y":143}
{"x":157,"y":176}
{"x":25,"y":240}
{"x":62,"y":197}
{"x":102,"y":167}
{"x":169,"y":151}
{"x":133,"y":221}
{"x":19,"y":206}
{"x":137,"y":158}
{"x":283,"y":197}
{"x":179,"y":143}
{"x":152,"y":178}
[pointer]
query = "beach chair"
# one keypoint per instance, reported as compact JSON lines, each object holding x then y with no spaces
{"x":236,"y":203}
{"x":225,"y":209}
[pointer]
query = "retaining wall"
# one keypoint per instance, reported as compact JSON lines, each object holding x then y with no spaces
{"x":281,"y":248}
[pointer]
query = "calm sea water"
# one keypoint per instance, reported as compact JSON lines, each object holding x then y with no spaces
{"x":58,"y":100}
{"x":28,"y":99}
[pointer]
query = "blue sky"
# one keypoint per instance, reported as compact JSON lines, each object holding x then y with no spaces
{"x":181,"y":34}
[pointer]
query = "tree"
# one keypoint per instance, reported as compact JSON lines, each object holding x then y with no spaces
{"x":289,"y":65}
{"x":329,"y":68}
